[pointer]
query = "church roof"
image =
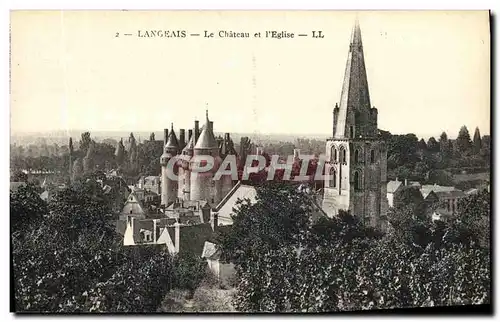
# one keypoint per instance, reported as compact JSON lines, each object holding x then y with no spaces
{"x":355,"y":92}
{"x":206,"y":139}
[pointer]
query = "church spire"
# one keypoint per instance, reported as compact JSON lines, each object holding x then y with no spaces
{"x":354,"y":114}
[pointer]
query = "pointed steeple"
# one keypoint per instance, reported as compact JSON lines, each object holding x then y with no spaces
{"x":172,"y":142}
{"x":207,"y":137}
{"x":354,"y":117}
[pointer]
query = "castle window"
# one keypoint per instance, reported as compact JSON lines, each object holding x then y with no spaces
{"x":334,"y":154}
{"x":351,"y":131}
{"x":372,"y":156}
{"x":357,"y":184}
{"x":356,"y":156}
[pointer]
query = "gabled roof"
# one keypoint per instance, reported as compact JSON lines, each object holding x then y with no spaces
{"x":210,"y":251}
{"x":441,"y":191}
{"x":239,"y":191}
{"x":193,"y":237}
{"x":392,"y":186}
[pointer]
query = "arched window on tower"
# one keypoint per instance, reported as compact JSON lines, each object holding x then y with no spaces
{"x":334,"y":154}
{"x":351,"y":132}
{"x":356,"y":156}
{"x":356,"y":181}
{"x":333,"y":178}
{"x":343,"y":155}
{"x":372,"y":156}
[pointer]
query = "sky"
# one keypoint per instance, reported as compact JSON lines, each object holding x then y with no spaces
{"x":428,"y":72}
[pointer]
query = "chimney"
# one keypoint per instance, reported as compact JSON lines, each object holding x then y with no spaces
{"x":154,"y":230}
{"x":397,"y":179}
{"x":190,"y":134}
{"x":205,"y":214}
{"x":196,"y":130}
{"x":215,"y":221}
{"x":406,"y":182}
{"x":165,"y":137}
{"x":177,"y":236}
{"x":211,"y":125}
{"x":182,"y":138}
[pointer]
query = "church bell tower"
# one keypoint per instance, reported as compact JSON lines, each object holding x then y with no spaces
{"x":356,"y":166}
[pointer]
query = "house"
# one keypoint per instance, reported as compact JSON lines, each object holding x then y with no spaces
{"x":223,"y":271}
{"x":176,"y":235}
{"x":224,"y":208}
{"x":394,"y":187}
{"x":150,"y":183}
{"x":133,"y":207}
{"x":446,"y":196}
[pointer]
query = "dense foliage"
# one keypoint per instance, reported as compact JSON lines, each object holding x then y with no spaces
{"x":67,"y":256}
{"x":287,"y":262}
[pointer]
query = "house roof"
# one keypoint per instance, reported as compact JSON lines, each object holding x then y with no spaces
{"x":472,"y":191}
{"x":392,"y":186}
{"x":441,"y":191}
{"x":210,"y":251}
{"x":239,"y":191}
{"x":193,"y":237}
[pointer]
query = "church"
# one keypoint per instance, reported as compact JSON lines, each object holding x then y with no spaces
{"x":356,"y":156}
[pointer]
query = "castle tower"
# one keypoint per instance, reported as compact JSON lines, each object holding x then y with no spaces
{"x":168,"y":184}
{"x":202,"y":184}
{"x":226,"y":148}
{"x":356,"y":167}
{"x":184,"y":170}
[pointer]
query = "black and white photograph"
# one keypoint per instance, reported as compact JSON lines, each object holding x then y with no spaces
{"x":225,"y":161}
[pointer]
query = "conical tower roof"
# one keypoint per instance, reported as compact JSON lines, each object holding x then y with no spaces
{"x":207,"y":137}
{"x":172,"y":142}
{"x":355,"y":92}
{"x":190,"y":145}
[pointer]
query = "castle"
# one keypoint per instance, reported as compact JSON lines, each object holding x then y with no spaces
{"x":192,"y":185}
{"x":356,"y":166}
{"x":356,"y":156}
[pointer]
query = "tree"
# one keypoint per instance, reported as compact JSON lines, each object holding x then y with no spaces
{"x":463,"y":140}
{"x":477,"y":141}
{"x":88,"y":160}
{"x":422,"y":145}
{"x":120,"y":153}
{"x":77,"y":170}
{"x":189,"y":271}
{"x":85,"y":142}
{"x":26,"y":209}
{"x":19,"y":176}
{"x":443,"y":143}
{"x":432,"y":144}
